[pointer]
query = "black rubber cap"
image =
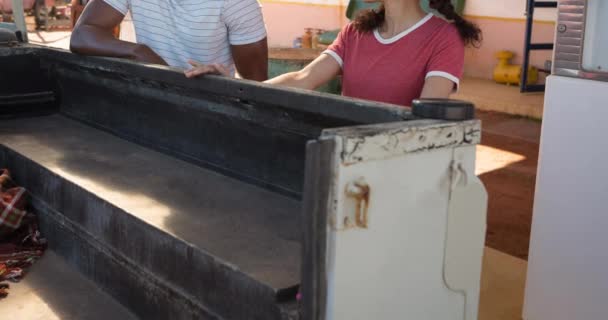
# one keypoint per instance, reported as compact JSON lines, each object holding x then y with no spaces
{"x":7,"y":38}
{"x":443,"y":109}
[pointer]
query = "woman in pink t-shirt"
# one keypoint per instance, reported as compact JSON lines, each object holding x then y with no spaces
{"x":395,"y":54}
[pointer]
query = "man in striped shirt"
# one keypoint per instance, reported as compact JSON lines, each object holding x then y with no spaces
{"x":228,"y":33}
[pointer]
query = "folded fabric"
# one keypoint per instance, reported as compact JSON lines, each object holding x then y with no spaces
{"x":21,"y":243}
{"x":3,"y":290}
{"x":5,"y":179}
{"x":12,"y":205}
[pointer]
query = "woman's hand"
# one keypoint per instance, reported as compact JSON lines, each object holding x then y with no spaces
{"x":201,"y":69}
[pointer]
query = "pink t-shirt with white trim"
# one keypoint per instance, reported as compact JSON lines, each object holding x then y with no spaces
{"x":394,"y":70}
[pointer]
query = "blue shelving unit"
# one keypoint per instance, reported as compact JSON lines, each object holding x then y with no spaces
{"x":529,"y":46}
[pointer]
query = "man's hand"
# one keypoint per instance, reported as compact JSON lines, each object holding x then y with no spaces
{"x":143,"y":53}
{"x":251,"y":62}
{"x":202,"y":69}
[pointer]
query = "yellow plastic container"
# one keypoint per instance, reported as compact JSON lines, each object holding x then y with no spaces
{"x":508,"y":73}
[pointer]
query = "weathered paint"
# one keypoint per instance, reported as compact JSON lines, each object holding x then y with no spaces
{"x":409,"y":139}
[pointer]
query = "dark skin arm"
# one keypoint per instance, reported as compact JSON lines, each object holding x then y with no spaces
{"x":93,"y":35}
{"x":251,"y":60}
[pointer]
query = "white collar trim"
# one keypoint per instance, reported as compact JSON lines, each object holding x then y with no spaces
{"x":403,"y":33}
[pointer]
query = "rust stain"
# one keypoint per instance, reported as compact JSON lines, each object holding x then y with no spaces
{"x":363,"y":206}
{"x":360,"y":191}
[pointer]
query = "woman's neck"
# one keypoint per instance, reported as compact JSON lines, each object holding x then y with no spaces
{"x":399,"y":16}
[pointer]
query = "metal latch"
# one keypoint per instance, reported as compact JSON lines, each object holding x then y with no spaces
{"x":359,"y":191}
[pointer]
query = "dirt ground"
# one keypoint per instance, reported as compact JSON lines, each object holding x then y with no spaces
{"x":506,"y":163}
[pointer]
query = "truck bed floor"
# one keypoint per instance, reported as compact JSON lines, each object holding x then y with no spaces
{"x":52,"y":290}
{"x":249,"y":228}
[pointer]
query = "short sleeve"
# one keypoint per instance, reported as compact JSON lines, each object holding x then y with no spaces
{"x":337,"y":49}
{"x":447,"y":59}
{"x":244,"y":21}
{"x":121,"y":6}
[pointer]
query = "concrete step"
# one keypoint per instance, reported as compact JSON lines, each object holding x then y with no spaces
{"x":53,"y":290}
{"x":168,"y":239}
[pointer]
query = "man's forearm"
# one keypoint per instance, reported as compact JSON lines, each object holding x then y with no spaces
{"x":90,"y":40}
{"x":94,"y":41}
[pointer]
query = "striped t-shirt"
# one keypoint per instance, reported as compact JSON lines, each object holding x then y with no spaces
{"x":201,"y":30}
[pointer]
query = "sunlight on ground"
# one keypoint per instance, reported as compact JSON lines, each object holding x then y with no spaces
{"x":55,"y":39}
{"x":490,"y":159}
{"x":503,"y":280}
{"x":23,"y":302}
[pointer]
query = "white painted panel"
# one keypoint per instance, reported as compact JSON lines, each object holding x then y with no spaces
{"x":595,"y":52}
{"x":394,"y":269}
{"x":568,"y":262}
{"x":466,"y":231}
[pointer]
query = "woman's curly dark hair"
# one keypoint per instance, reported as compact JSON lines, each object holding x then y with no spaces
{"x":368,"y":20}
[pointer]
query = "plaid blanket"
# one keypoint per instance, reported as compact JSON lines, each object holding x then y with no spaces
{"x":12,"y":204}
{"x":20,"y":241}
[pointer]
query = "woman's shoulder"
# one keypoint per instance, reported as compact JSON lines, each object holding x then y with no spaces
{"x":441,"y":25}
{"x":350,"y":31}
{"x":350,"y":28}
{"x":444,"y":31}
